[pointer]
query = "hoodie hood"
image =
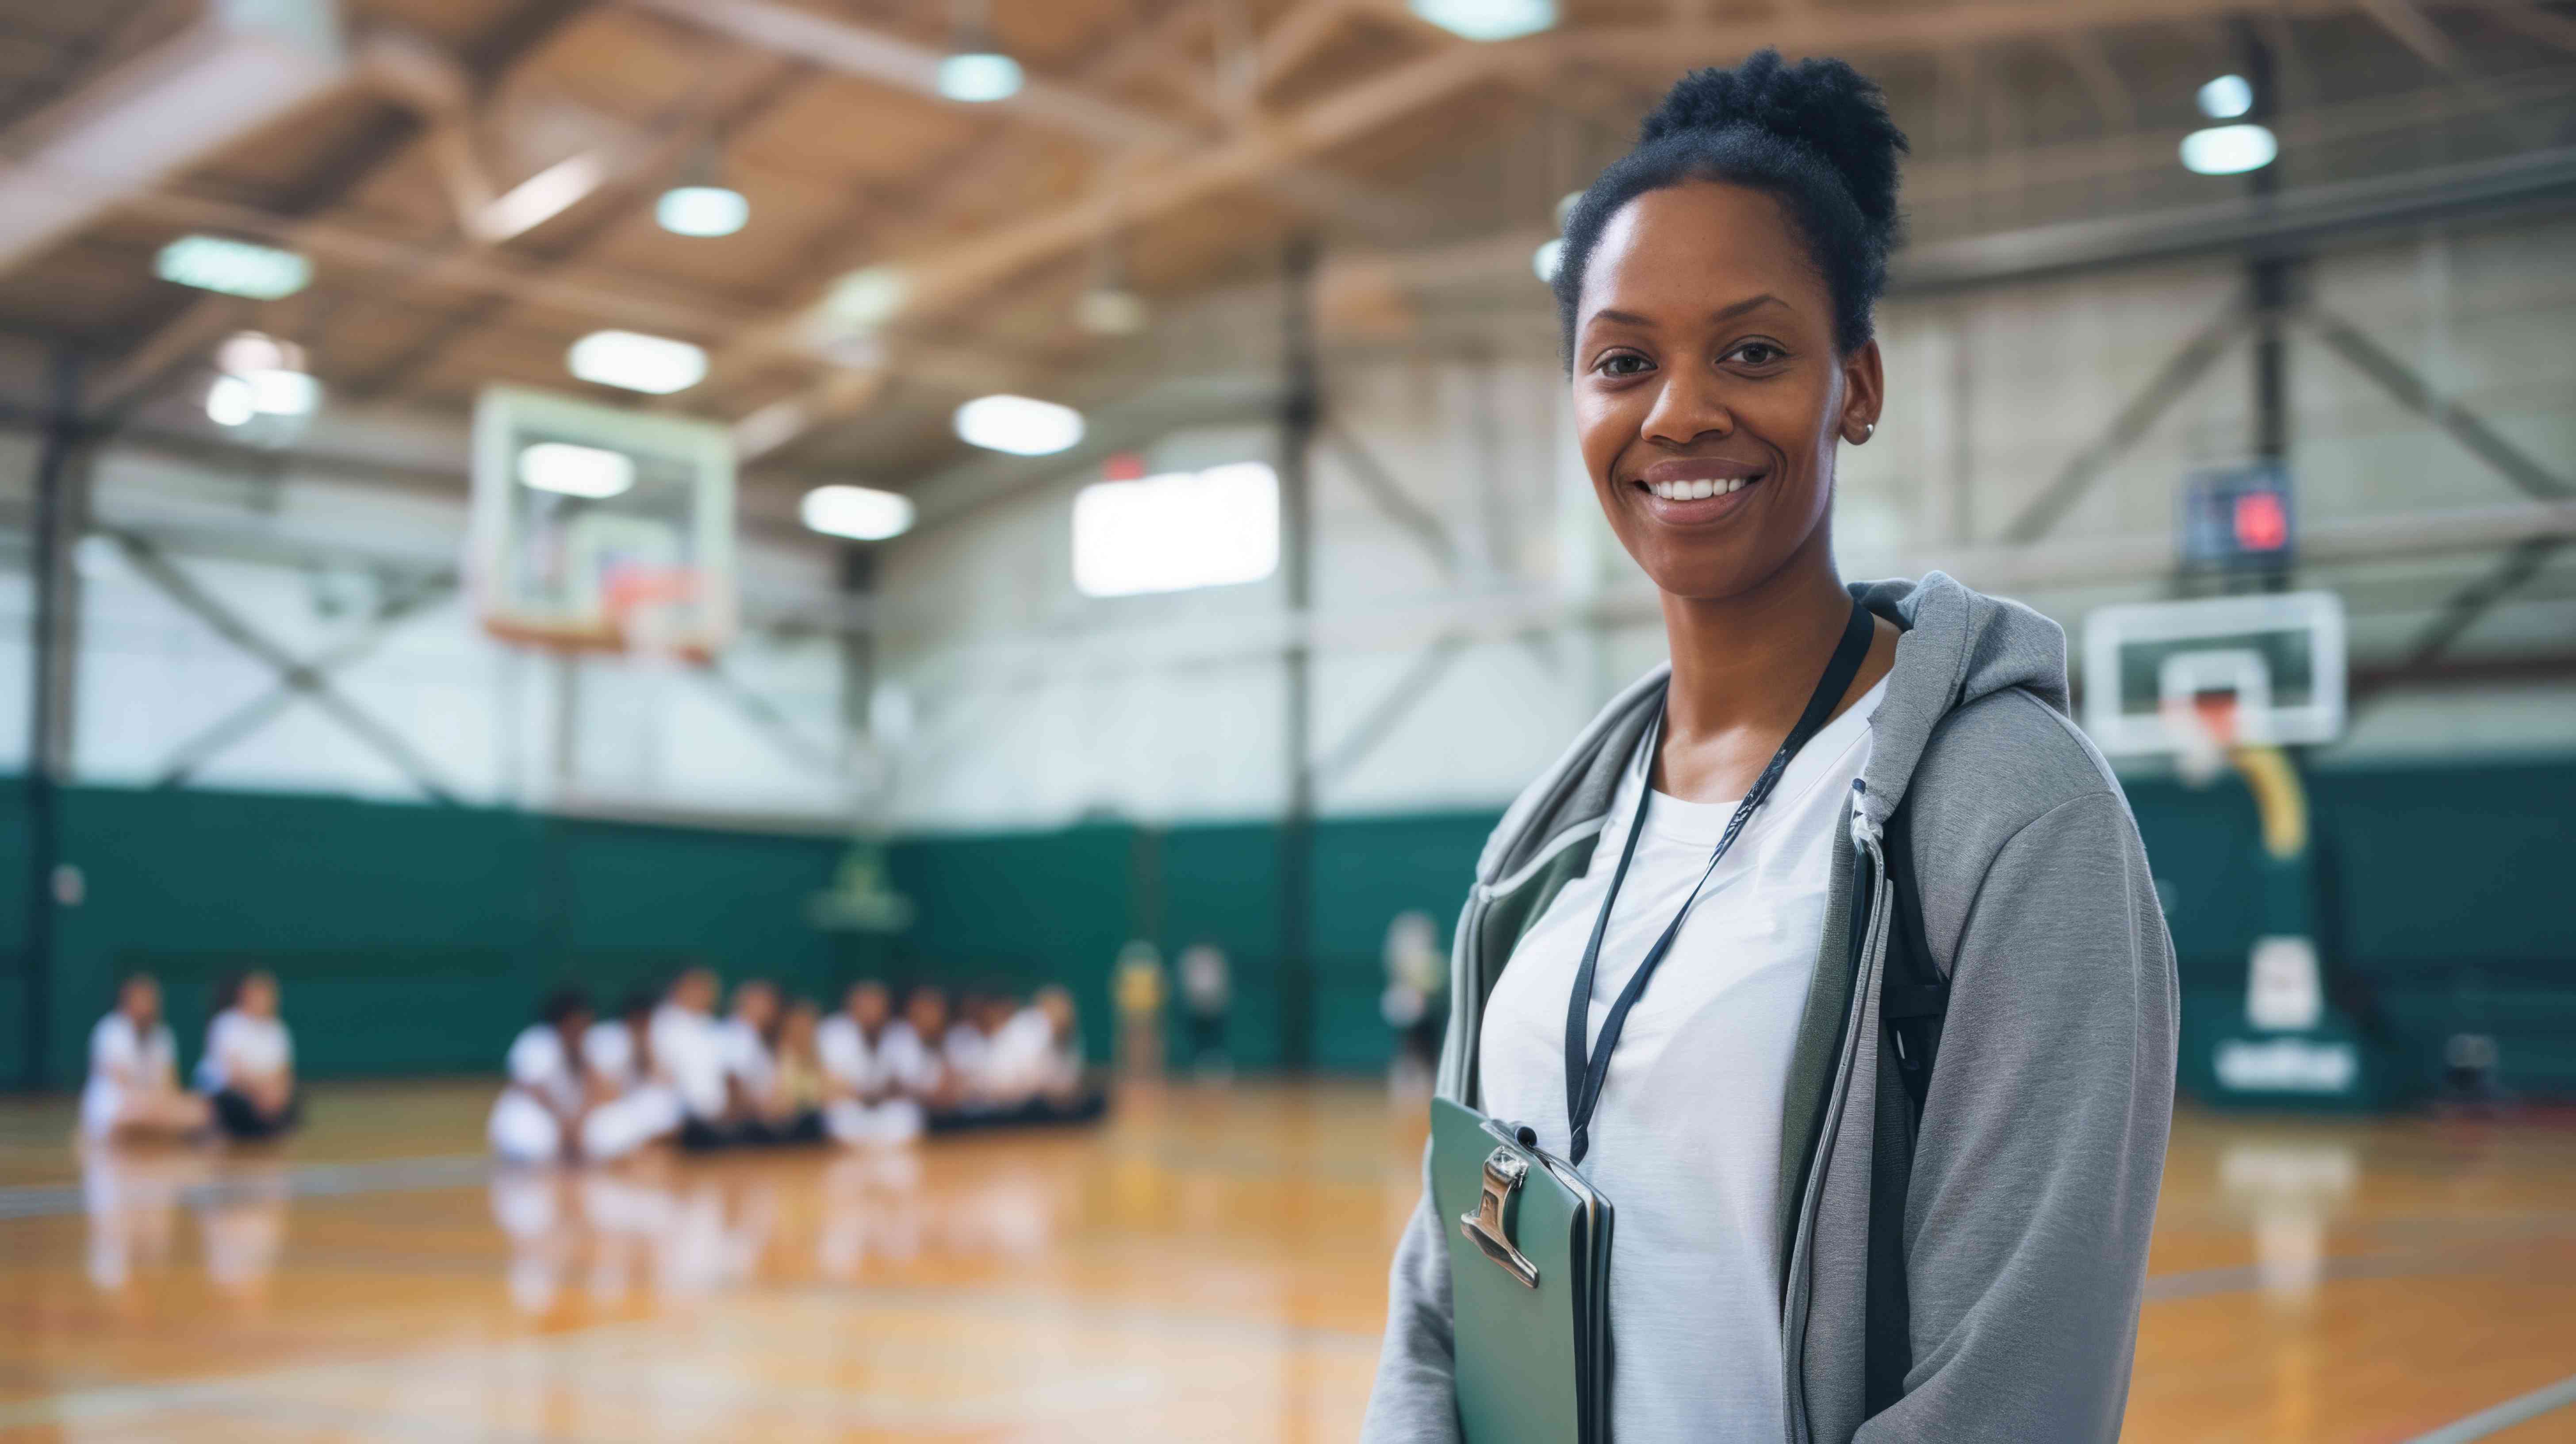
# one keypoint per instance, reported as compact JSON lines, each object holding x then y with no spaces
{"x":1959,"y":645}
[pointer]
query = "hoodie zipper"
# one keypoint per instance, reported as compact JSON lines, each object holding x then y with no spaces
{"x":1866,"y":836}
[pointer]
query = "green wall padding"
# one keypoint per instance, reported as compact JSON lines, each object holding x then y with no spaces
{"x":415,"y":939}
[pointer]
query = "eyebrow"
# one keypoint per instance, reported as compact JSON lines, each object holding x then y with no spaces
{"x":1723,"y":313}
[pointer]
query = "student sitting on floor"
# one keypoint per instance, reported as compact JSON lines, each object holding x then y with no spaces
{"x":617,"y":1054}
{"x":970,"y":1032}
{"x":538,"y":1117}
{"x":911,"y":1058}
{"x":133,"y":1090}
{"x":552,"y":1109}
{"x":801,"y":1086}
{"x":756,"y":1111}
{"x":866,"y":1105}
{"x":1036,"y":1055}
{"x":687,"y":1057}
{"x":248,"y":1071}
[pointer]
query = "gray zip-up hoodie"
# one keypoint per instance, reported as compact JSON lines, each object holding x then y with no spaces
{"x":2029,"y":1189}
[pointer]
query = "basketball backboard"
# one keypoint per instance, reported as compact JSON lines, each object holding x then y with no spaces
{"x":2266,"y":668}
{"x":598,"y":527}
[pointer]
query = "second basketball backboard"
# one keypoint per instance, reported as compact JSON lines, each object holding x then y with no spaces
{"x":2271,"y":665}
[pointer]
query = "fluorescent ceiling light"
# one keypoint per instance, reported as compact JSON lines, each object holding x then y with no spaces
{"x":1489,"y":19}
{"x":702,"y":210}
{"x":861,"y":513}
{"x":234,"y":268}
{"x":229,"y":402}
{"x":2226,"y":98}
{"x":1111,"y":311}
{"x":541,"y":197}
{"x":1565,"y":205}
{"x":283,"y":393}
{"x":2228,"y":149}
{"x":570,"y":470}
{"x":246,"y":351}
{"x":1545,"y":259}
{"x":1020,"y":425}
{"x":656,"y":365}
{"x":978,"y":76}
{"x":1177,"y":532}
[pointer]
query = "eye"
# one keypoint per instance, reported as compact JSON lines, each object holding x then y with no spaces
{"x":1623,"y":363}
{"x":1758,"y":353}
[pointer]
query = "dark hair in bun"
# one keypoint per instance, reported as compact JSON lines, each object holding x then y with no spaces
{"x":1816,"y":135}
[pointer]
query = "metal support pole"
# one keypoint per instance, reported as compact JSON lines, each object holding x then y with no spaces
{"x":50,"y":577}
{"x":2269,"y":280}
{"x":1300,"y":413}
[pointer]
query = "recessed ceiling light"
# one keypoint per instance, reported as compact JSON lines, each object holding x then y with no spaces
{"x":1489,"y":19}
{"x":235,"y":268}
{"x":1020,"y":425}
{"x":1546,"y":258}
{"x":229,"y":402}
{"x":656,"y":365}
{"x":2229,"y":149}
{"x":246,"y":351}
{"x":2227,"y":97}
{"x":979,"y":76}
{"x":1111,"y":311}
{"x":283,"y":393}
{"x":570,"y":470}
{"x":702,"y":210}
{"x":861,"y":513}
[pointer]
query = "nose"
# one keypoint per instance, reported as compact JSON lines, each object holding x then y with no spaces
{"x":1689,"y":405}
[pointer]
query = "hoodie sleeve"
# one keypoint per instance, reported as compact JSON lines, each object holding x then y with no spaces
{"x":1415,"y":1400}
{"x":2043,"y":1142}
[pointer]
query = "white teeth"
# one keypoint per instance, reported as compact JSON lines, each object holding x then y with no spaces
{"x":1696,"y":490}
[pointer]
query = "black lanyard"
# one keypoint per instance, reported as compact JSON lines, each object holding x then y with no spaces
{"x":1584,"y":1075}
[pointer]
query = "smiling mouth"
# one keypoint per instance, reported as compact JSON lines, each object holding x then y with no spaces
{"x":1698,"y":489}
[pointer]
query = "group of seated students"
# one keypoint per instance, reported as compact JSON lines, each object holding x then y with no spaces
{"x":776,"y":1071}
{"x":245,"y":1079}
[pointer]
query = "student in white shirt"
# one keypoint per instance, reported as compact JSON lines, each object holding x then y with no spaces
{"x":687,"y":1057}
{"x":748,"y":1042}
{"x":617,"y":1053}
{"x":864,"y":1104}
{"x":910,"y":1057}
{"x":553,"y":1111}
{"x":133,"y":1090}
{"x":1036,"y":1056}
{"x":248,"y":1070}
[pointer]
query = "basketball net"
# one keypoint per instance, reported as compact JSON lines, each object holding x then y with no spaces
{"x":652,"y":609}
{"x":2203,"y":728}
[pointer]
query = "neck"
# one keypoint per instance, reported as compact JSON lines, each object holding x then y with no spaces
{"x":1750,"y":660}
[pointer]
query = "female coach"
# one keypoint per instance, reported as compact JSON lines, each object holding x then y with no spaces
{"x":1832,"y":1224}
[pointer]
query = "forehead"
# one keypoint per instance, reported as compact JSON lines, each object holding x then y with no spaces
{"x":1695,"y":247}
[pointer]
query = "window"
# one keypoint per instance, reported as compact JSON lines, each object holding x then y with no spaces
{"x":1177,"y":532}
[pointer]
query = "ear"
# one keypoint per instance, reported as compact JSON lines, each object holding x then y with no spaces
{"x":1864,"y":391}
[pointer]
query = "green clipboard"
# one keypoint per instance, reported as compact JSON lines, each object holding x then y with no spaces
{"x":1529,"y":1284}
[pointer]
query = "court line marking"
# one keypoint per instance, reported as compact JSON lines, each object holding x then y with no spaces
{"x":310,"y":1180}
{"x":2505,"y":1415}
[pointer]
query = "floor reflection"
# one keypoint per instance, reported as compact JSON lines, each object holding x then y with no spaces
{"x":133,"y":1199}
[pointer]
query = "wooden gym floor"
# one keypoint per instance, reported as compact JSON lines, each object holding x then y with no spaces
{"x":1208,"y":1266}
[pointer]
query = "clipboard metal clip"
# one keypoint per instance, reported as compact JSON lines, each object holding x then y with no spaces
{"x":1486,"y":1229}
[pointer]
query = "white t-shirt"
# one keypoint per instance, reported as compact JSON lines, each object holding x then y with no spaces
{"x":911,"y":1065}
{"x":1024,"y":1059}
{"x":1685,"y":1140}
{"x":236,"y":1041}
{"x":121,"y":1059}
{"x":846,"y":1057}
{"x":539,"y":1063}
{"x":690,"y":1057}
{"x":608,"y":1051}
{"x":746,"y":1055}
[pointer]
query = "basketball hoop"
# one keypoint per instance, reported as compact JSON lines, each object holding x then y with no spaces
{"x":650,"y":608}
{"x":2203,"y":729}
